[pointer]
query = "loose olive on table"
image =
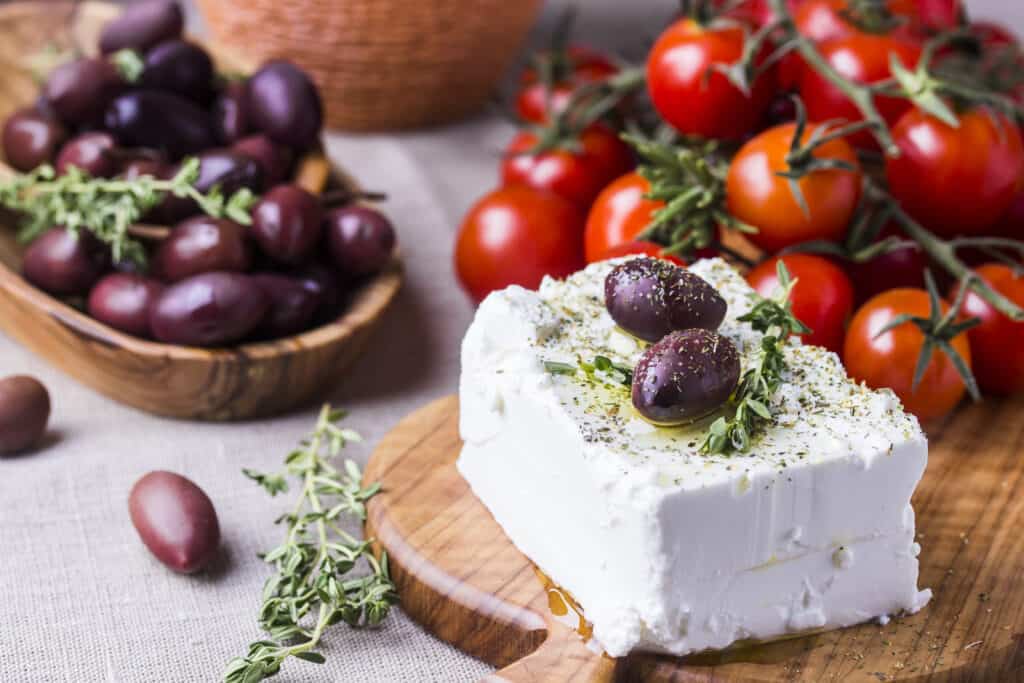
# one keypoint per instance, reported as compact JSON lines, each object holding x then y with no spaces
{"x":176,"y":521}
{"x":142,"y":25}
{"x":123,"y":300}
{"x":32,"y":138}
{"x":361,"y":239}
{"x":651,"y":297}
{"x":78,"y":92}
{"x":179,"y":67}
{"x":286,"y":223}
{"x":90,"y":152}
{"x":24,"y":412}
{"x":212,"y":309}
{"x":684,"y":376}
{"x":64,"y":263}
{"x":200,"y":245}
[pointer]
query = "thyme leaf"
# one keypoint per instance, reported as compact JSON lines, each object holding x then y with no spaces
{"x":312,"y":587}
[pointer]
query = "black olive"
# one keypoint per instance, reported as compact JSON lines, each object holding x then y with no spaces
{"x":181,"y":68}
{"x":685,"y":376}
{"x":284,"y":104}
{"x":160,"y":121}
{"x":78,"y":92}
{"x":142,"y":25}
{"x":651,"y":297}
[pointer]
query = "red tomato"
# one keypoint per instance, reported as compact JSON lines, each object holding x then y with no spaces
{"x":939,"y":15}
{"x":755,"y":194}
{"x":997,"y":344}
{"x":889,"y":359}
{"x":515,"y":236}
{"x":691,"y":95}
{"x":903,"y":267}
{"x":576,"y":175}
{"x":956,"y":180}
{"x":863,"y":58}
{"x":585,"y":66}
{"x":822,"y":296}
{"x":618,"y":215}
{"x":641,"y":248}
{"x":822,"y":20}
{"x":757,"y":13}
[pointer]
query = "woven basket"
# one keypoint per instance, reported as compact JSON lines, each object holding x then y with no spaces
{"x":384,"y":64}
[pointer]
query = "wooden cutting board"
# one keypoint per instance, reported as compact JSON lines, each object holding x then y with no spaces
{"x":462,"y":579}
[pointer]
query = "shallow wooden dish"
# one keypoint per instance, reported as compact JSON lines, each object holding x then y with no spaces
{"x":461,"y":578}
{"x":248,"y":381}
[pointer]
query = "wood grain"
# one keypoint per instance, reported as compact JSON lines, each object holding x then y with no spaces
{"x":249,"y":381}
{"x":461,"y":578}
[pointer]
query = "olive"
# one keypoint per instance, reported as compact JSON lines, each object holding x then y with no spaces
{"x":274,"y":159}
{"x":64,"y":263}
{"x":122,"y":300}
{"x":200,"y":245}
{"x":286,"y":223}
{"x":31,"y":139}
{"x":285,"y":104}
{"x":159,"y":121}
{"x":24,"y":412}
{"x":360,"y":239}
{"x":322,"y":281}
{"x":137,"y":168}
{"x":142,"y":25}
{"x":179,"y":67}
{"x":685,"y":376}
{"x":90,"y":152}
{"x":230,"y":117}
{"x":176,"y":520}
{"x":293,"y":305}
{"x":211,"y":309}
{"x":79,"y":91}
{"x":650,"y":297}
{"x":228,"y":170}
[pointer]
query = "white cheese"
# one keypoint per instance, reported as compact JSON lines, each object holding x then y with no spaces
{"x":668,"y":549}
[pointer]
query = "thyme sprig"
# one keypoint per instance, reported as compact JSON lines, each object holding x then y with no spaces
{"x":602,"y":369}
{"x":109,"y":207}
{"x":314,"y":561}
{"x":751,"y":400}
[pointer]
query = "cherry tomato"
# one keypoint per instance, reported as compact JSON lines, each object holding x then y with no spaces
{"x":618,"y":215}
{"x":822,"y":296}
{"x":939,"y":15}
{"x":694,"y":97}
{"x":756,"y":195}
{"x":515,"y":236}
{"x":997,"y":344}
{"x":903,"y":267}
{"x":584,"y":66}
{"x":576,"y":175}
{"x":889,"y":359}
{"x":956,"y":180}
{"x":822,"y":20}
{"x":863,"y":58}
{"x":641,"y":248}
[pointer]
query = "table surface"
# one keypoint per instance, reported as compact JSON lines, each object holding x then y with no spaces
{"x":83,"y":601}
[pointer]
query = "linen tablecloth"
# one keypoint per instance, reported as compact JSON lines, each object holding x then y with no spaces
{"x":81,"y":600}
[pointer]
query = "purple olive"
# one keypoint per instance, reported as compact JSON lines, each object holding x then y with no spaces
{"x":286,"y":224}
{"x":31,"y":139}
{"x":230,"y":116}
{"x":200,"y":245}
{"x":142,"y":25}
{"x":685,"y":376}
{"x":324,"y":283}
{"x":212,"y":309}
{"x":293,"y":305}
{"x":650,"y":297}
{"x":160,"y":121}
{"x":24,"y":412}
{"x":228,"y":170}
{"x":176,"y":520}
{"x":360,"y":239}
{"x":79,"y":91}
{"x":179,"y":67}
{"x":122,"y":300}
{"x":63,"y":263}
{"x":274,"y":159}
{"x":90,"y":152}
{"x":285,"y":104}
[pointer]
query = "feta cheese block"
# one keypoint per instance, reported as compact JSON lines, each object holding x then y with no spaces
{"x":665,"y":548}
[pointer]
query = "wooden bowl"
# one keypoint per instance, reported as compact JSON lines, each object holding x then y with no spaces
{"x":248,"y":381}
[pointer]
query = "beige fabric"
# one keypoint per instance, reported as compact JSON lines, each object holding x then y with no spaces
{"x":82,"y":601}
